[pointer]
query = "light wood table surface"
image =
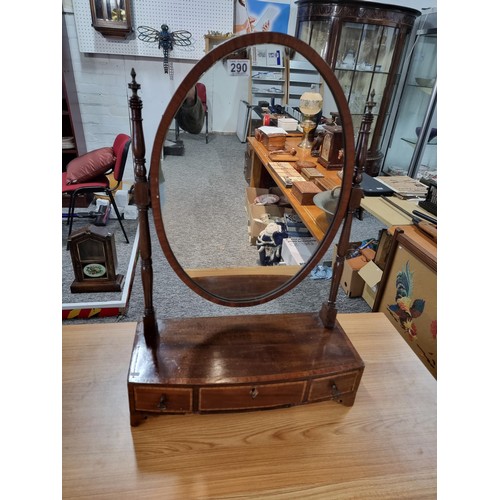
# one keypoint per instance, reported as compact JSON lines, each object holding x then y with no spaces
{"x":382,"y":447}
{"x":390,"y":215}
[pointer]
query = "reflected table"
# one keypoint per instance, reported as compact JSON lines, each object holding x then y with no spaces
{"x":263,"y":176}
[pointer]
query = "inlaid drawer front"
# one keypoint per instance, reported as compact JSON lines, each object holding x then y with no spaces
{"x":163,"y":399}
{"x":251,"y":396}
{"x":328,"y":387}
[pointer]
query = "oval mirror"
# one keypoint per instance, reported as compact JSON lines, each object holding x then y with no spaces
{"x":203,"y":187}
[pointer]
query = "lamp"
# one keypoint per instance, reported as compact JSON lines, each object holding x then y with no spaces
{"x":310,"y":104}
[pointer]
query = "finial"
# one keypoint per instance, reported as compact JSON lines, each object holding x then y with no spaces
{"x":133,"y":85}
{"x":371,"y":103}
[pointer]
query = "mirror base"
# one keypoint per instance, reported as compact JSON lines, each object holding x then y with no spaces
{"x":241,"y":363}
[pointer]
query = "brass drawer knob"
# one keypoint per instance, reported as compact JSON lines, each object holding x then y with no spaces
{"x":162,"y":405}
{"x":254,"y":392}
{"x":335,"y":391}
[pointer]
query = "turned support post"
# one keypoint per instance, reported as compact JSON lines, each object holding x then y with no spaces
{"x":328,"y":312}
{"x":143,"y":202}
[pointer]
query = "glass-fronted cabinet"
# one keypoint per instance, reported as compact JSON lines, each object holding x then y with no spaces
{"x":411,"y":143}
{"x":364,"y":43}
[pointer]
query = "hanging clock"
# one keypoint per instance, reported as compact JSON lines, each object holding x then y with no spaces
{"x":331,"y":155}
{"x":93,"y":255}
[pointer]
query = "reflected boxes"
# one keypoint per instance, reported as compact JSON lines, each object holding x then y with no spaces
{"x":288,"y":124}
{"x":273,"y":138}
{"x":259,"y":216}
{"x":304,"y":191}
{"x":297,"y":251}
{"x":294,"y":226}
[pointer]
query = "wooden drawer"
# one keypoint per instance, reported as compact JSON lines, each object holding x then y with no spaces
{"x":251,"y":396}
{"x":328,"y":387}
{"x":163,"y":399}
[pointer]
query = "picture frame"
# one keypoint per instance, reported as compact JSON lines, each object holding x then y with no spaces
{"x":407,"y":295}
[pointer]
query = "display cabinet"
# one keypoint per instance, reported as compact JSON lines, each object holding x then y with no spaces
{"x":268,"y":74}
{"x":364,"y":43}
{"x":280,"y":77}
{"x":302,"y":75}
{"x":412,"y":135}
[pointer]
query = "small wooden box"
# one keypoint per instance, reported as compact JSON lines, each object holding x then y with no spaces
{"x":325,"y":183}
{"x":311,"y":174}
{"x":271,"y":140}
{"x":304,"y":191}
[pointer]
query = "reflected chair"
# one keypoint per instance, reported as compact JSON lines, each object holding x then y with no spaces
{"x":100,"y":183}
{"x":202,"y":95}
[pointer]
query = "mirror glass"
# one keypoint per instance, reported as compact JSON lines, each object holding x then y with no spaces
{"x":204,"y":188}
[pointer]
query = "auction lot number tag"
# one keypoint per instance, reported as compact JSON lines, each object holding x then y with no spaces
{"x":238,"y":67}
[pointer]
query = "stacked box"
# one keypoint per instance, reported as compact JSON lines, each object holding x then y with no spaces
{"x":295,"y":227}
{"x":305,"y":191}
{"x":297,"y":251}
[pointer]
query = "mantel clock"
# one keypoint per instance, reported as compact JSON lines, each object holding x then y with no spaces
{"x":93,"y":255}
{"x":331,"y":154}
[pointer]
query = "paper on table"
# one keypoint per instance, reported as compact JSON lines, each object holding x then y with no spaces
{"x":269,"y":130}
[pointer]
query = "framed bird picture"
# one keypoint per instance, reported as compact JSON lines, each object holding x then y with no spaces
{"x":407,"y":295}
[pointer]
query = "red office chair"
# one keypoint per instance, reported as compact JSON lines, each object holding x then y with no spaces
{"x":202,"y":94}
{"x":121,"y":146}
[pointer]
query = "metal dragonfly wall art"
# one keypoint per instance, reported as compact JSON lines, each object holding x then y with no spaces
{"x":166,"y":40}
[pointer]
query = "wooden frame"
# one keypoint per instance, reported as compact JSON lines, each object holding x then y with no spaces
{"x":346,"y":198}
{"x":120,"y":24}
{"x":407,"y":295}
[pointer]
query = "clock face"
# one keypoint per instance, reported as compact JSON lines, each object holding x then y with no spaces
{"x":325,"y":148}
{"x":94,"y":270}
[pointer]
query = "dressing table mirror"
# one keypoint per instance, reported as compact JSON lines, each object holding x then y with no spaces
{"x":237,"y":362}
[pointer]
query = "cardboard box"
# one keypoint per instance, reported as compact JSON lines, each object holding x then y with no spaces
{"x":297,"y":251}
{"x":371,"y":274}
{"x":251,"y":194}
{"x":350,"y":281}
{"x":259,"y":216}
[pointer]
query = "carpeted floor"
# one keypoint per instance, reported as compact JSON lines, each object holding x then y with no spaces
{"x":210,"y":166}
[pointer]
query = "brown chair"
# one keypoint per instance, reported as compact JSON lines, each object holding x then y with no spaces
{"x":101,"y":182}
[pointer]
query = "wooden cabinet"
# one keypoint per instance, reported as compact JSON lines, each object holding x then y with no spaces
{"x":225,"y":364}
{"x":364,"y":43}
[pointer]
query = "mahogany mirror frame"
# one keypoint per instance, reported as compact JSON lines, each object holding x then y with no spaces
{"x":220,"y":53}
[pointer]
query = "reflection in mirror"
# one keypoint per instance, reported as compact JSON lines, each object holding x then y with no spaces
{"x":225,"y":215}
